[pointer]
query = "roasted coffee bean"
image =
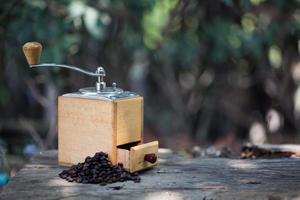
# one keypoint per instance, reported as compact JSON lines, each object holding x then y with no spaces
{"x":88,"y":159}
{"x":98,"y":170}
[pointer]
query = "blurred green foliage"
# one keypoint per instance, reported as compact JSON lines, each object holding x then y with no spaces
{"x":205,"y":68}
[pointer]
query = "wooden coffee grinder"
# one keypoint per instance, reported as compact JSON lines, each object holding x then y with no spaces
{"x":99,"y":118}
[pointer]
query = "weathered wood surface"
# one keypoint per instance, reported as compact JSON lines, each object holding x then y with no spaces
{"x":176,"y":177}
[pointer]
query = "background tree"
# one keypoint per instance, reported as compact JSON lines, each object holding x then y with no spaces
{"x":211,"y":72}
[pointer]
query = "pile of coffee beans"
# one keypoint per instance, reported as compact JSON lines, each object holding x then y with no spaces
{"x":98,"y":170}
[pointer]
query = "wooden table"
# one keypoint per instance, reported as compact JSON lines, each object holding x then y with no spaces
{"x":176,"y":177}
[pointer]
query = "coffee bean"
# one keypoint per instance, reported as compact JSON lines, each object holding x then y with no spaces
{"x":98,"y":170}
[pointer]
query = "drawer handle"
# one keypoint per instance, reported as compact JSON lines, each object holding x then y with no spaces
{"x":151,"y":158}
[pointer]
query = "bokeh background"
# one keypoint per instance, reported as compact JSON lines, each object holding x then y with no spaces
{"x":213,"y":73}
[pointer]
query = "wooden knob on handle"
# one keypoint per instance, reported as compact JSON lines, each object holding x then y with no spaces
{"x":32,"y":52}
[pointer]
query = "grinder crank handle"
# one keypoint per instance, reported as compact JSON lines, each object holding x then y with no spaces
{"x":33,"y":50}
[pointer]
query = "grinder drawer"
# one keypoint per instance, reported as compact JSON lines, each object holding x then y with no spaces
{"x":138,"y":157}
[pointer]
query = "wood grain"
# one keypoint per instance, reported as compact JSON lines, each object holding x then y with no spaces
{"x":138,"y":153}
{"x":133,"y":159}
{"x":32,"y":52}
{"x":176,"y":177}
{"x":129,"y":120}
{"x":124,"y":158}
{"x":85,"y":127}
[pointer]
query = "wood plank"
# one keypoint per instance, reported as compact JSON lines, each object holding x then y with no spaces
{"x":137,"y":154}
{"x":133,"y":159}
{"x":124,"y":158}
{"x":176,"y":177}
{"x":129,"y":120}
{"x":85,"y":126}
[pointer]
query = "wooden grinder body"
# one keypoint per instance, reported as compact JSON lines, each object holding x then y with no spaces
{"x":87,"y":126}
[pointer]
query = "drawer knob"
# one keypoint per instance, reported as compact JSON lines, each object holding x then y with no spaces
{"x":151,"y":158}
